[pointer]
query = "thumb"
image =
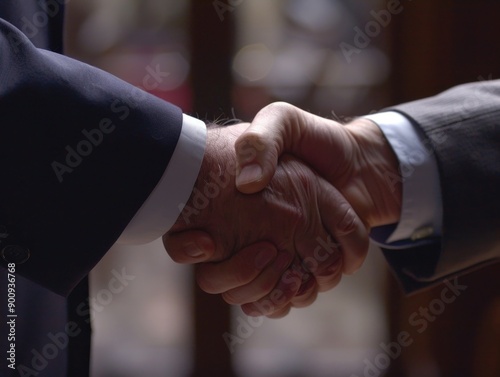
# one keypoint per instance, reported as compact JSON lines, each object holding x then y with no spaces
{"x":259,"y":147}
{"x":281,"y":127}
{"x":190,"y":246}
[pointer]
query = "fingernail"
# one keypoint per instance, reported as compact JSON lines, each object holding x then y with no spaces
{"x":264,"y":257}
{"x":193,"y":250}
{"x":250,"y":173}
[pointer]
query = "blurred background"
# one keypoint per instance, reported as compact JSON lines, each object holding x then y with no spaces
{"x":224,"y":60}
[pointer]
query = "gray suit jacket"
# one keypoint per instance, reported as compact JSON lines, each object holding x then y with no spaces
{"x":462,"y":128}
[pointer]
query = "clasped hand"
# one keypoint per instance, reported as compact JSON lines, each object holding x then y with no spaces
{"x":266,"y":230}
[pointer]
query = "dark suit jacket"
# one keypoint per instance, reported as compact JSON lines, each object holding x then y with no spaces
{"x":461,"y":127}
{"x":80,"y":151}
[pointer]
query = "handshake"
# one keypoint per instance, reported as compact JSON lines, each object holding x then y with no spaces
{"x":282,"y":207}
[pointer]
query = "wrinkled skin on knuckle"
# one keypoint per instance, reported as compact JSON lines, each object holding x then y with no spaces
{"x":306,"y":299}
{"x":325,"y":283}
{"x":295,"y":182}
{"x":303,"y":186}
{"x":251,"y":145}
{"x":347,"y":224}
{"x":279,"y":107}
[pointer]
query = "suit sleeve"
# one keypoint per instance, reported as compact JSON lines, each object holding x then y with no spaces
{"x":461,"y":127}
{"x":80,"y":151}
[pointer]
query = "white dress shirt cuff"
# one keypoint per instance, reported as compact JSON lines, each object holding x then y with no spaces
{"x":161,"y":209}
{"x":421,"y":212}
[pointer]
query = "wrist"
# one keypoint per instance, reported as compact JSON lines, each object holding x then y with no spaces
{"x":378,"y":167}
{"x":215,"y":177}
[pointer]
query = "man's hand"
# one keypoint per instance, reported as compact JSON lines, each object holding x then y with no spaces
{"x":355,"y":158}
{"x":312,"y":233}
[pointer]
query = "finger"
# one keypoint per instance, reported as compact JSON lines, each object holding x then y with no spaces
{"x":306,"y":295}
{"x":306,"y":299}
{"x":240,"y":269}
{"x":321,"y":258}
{"x":280,"y":313}
{"x":262,"y":284}
{"x":281,"y":127}
{"x":278,"y":298}
{"x":331,"y":277}
{"x":320,"y":252}
{"x":278,"y":303}
{"x":344,"y":225}
{"x":191,"y":246}
{"x":326,"y":263}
